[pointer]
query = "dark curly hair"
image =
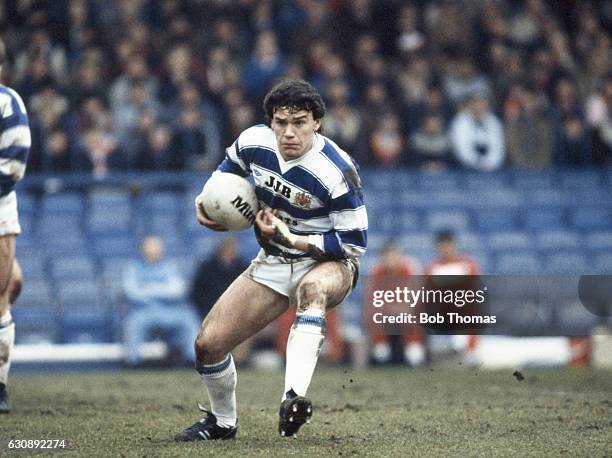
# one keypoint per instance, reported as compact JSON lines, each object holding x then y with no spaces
{"x":296,"y":95}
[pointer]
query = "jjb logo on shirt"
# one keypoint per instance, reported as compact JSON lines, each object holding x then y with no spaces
{"x":275,"y":183}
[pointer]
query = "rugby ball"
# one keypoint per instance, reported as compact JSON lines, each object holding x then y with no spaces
{"x":229,"y":200}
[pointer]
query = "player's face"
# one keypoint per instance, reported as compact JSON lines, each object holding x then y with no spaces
{"x":294,"y":131}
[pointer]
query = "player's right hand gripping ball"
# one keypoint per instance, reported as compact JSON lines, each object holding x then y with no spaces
{"x":229,"y":200}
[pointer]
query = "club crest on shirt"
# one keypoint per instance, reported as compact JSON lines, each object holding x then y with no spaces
{"x":302,"y":200}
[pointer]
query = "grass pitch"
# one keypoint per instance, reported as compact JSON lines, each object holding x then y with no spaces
{"x":386,"y":412}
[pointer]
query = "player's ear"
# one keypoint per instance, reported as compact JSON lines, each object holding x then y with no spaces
{"x":317,"y":125}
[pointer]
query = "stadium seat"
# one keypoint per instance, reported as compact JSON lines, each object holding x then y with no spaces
{"x":543,"y":219}
{"x":68,"y":203}
{"x":494,"y":220}
{"x":33,"y":266}
{"x":165,"y":225}
{"x":602,"y":263}
{"x":501,"y":198}
{"x":114,"y":246}
{"x":86,"y":316}
{"x":442,"y":199}
{"x":109,"y":222}
{"x":545,"y":198}
{"x":599,"y":240}
{"x":35,"y":314}
{"x":383,"y":201}
{"x":509,"y":240}
{"x":469,"y":242}
{"x":438,"y":181}
{"x":26,"y":221}
{"x":79,"y":267}
{"x":36,"y":325}
{"x":535,"y":181}
{"x":485,"y":181}
{"x":161,"y":202}
{"x":204,"y":243}
{"x":591,"y":218}
{"x":578,"y":179}
{"x":557,"y":240}
{"x":456,"y":220}
{"x":518,"y":263}
{"x":54,"y":226}
{"x":117,"y":199}
{"x":569,"y":262}
{"x":36,"y":293}
{"x":27,"y":204}
{"x":417,"y":243}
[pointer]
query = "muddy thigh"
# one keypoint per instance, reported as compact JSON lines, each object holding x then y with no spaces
{"x":325,"y":286}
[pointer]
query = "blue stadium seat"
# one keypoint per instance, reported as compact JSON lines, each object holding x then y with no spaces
{"x":557,"y":240}
{"x":36,"y":293}
{"x":495,"y":220}
{"x":502,"y":198}
{"x":510,"y":240}
{"x":599,"y":240}
{"x":485,"y":181}
{"x":602,"y":263}
{"x":54,"y":226}
{"x":33,"y":266}
{"x":68,"y":245}
{"x":375,"y":181}
{"x":591,"y":218}
{"x":417,"y":243}
{"x":112,"y":274}
{"x":579,"y":179}
{"x":189,"y":223}
{"x":469,"y":242}
{"x":457,"y":220}
{"x":26,"y":221}
{"x":442,"y":199}
{"x":205,"y":243}
{"x":86,"y":316}
{"x":114,"y":246}
{"x":376,"y":241}
{"x":568,"y":262}
{"x":382,"y":200}
{"x":109,"y":222}
{"x":27,"y":204}
{"x":36,"y":325}
{"x":35,"y":314}
{"x":79,"y":267}
{"x":116,"y":199}
{"x":161,"y":202}
{"x":545,"y":198}
{"x":438,"y":181}
{"x":543,"y":219}
{"x":166,"y":225}
{"x":518,"y":263}
{"x":62,"y":204}
{"x":532,"y":180}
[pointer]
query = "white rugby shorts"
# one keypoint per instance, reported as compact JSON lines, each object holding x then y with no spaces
{"x":9,"y":219}
{"x":284,"y":275}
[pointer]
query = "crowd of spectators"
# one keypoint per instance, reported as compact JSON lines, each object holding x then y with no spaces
{"x":167,"y":84}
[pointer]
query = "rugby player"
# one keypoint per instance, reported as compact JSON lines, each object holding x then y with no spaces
{"x":15,"y":143}
{"x":312,"y":228}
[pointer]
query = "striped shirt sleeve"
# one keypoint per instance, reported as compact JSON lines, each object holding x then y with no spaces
{"x":233,"y":162}
{"x":349,"y":218}
{"x":15,"y":138}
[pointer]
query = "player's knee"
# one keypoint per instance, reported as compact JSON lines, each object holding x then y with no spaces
{"x":311,"y":294}
{"x":207,"y":346}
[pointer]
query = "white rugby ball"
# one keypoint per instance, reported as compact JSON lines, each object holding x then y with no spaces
{"x":229,"y":200}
